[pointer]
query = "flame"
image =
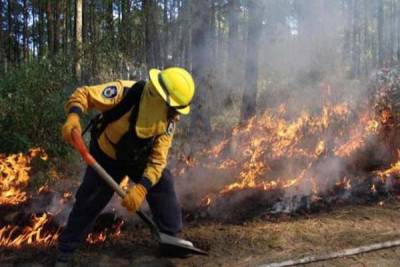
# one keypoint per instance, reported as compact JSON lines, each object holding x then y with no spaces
{"x":271,"y":136}
{"x":114,"y":232}
{"x":94,"y":238}
{"x":15,"y":236}
{"x":14,"y":170}
{"x":392,"y":171}
{"x":373,"y":188}
{"x":227,"y":164}
{"x":14,"y":176}
{"x":39,"y":230}
{"x":206,"y":201}
{"x":257,"y":149}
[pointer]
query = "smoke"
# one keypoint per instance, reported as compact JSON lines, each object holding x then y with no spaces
{"x":301,"y":64}
{"x":303,"y":74}
{"x":58,"y":200}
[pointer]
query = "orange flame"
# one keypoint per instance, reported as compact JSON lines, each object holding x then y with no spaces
{"x":14,"y":172}
{"x":14,"y":176}
{"x":96,"y":238}
{"x":14,"y":236}
{"x":300,"y":142}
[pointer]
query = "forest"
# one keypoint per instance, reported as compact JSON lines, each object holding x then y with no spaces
{"x":291,"y":148}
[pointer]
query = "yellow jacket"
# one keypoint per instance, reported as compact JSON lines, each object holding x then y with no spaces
{"x":152,"y":121}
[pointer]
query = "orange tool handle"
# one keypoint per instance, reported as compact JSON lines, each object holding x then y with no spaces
{"x":79,"y":145}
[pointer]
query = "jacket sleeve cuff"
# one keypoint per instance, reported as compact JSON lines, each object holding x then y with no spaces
{"x":146,"y":182}
{"x":75,"y":109}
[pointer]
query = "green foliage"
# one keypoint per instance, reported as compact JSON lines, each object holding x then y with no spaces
{"x":31,"y":106}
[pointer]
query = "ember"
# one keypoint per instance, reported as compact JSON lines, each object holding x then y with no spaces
{"x":108,"y":225}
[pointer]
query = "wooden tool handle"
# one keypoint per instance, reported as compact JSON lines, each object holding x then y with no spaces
{"x":79,"y":144}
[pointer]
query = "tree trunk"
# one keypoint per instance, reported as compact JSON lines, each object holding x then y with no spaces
{"x":25,"y":36}
{"x":94,"y":34}
{"x":200,"y":121}
{"x":146,"y":6}
{"x":248,"y":108}
{"x":165,"y":35}
{"x":10,"y":27}
{"x":85,"y":24}
{"x":126,"y":38}
{"x":348,"y":7}
{"x":185,"y":33}
{"x":71,"y":25}
{"x":34,"y":29}
{"x":63,"y":26}
{"x":366,"y":48}
{"x":156,"y":36}
{"x":50,"y":33}
{"x":398,"y":31}
{"x":381,"y":46}
{"x":41,"y":25}
{"x":216,"y":39}
{"x":66,"y":27}
{"x":152,"y":35}
{"x":355,"y":47}
{"x":392,"y":29}
{"x":78,"y":40}
{"x":56,"y":25}
{"x":232,"y":74}
{"x":110,"y":20}
{"x":179,"y":33}
{"x":17,"y":50}
{"x":2,"y":42}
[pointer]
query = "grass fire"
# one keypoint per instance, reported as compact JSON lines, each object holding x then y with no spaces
{"x":303,"y":163}
{"x":20,"y":226}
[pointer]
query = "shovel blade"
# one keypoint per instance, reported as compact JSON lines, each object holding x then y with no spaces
{"x":178,"y":247}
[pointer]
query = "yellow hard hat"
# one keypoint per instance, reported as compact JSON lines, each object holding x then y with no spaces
{"x":176,"y":87}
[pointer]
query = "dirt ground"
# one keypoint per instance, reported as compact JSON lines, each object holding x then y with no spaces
{"x":249,"y":244}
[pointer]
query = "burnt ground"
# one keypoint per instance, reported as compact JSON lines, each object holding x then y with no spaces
{"x":248,"y":244}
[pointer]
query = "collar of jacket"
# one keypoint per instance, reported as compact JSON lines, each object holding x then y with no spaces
{"x":152,"y":117}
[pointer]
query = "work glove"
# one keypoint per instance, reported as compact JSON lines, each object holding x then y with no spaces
{"x":134,"y":197}
{"x":72,"y":122}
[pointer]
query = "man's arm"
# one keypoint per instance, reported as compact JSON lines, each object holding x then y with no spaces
{"x":157,"y":160}
{"x":152,"y":174}
{"x":101,"y":97}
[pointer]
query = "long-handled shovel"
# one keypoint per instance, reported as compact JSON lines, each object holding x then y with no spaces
{"x":176,"y":246}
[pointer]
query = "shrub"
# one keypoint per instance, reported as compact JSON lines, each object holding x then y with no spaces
{"x":31,"y":106}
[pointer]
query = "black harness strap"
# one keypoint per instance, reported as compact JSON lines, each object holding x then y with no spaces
{"x":131,"y":98}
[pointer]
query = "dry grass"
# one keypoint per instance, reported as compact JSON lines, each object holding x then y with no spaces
{"x":260,"y":242}
{"x":249,"y":244}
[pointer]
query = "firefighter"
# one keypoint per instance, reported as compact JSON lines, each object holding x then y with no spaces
{"x":132,"y":137}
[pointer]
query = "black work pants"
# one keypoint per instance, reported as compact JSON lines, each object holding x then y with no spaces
{"x":94,"y":194}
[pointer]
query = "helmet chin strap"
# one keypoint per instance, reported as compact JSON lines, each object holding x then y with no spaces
{"x":173,"y":114}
